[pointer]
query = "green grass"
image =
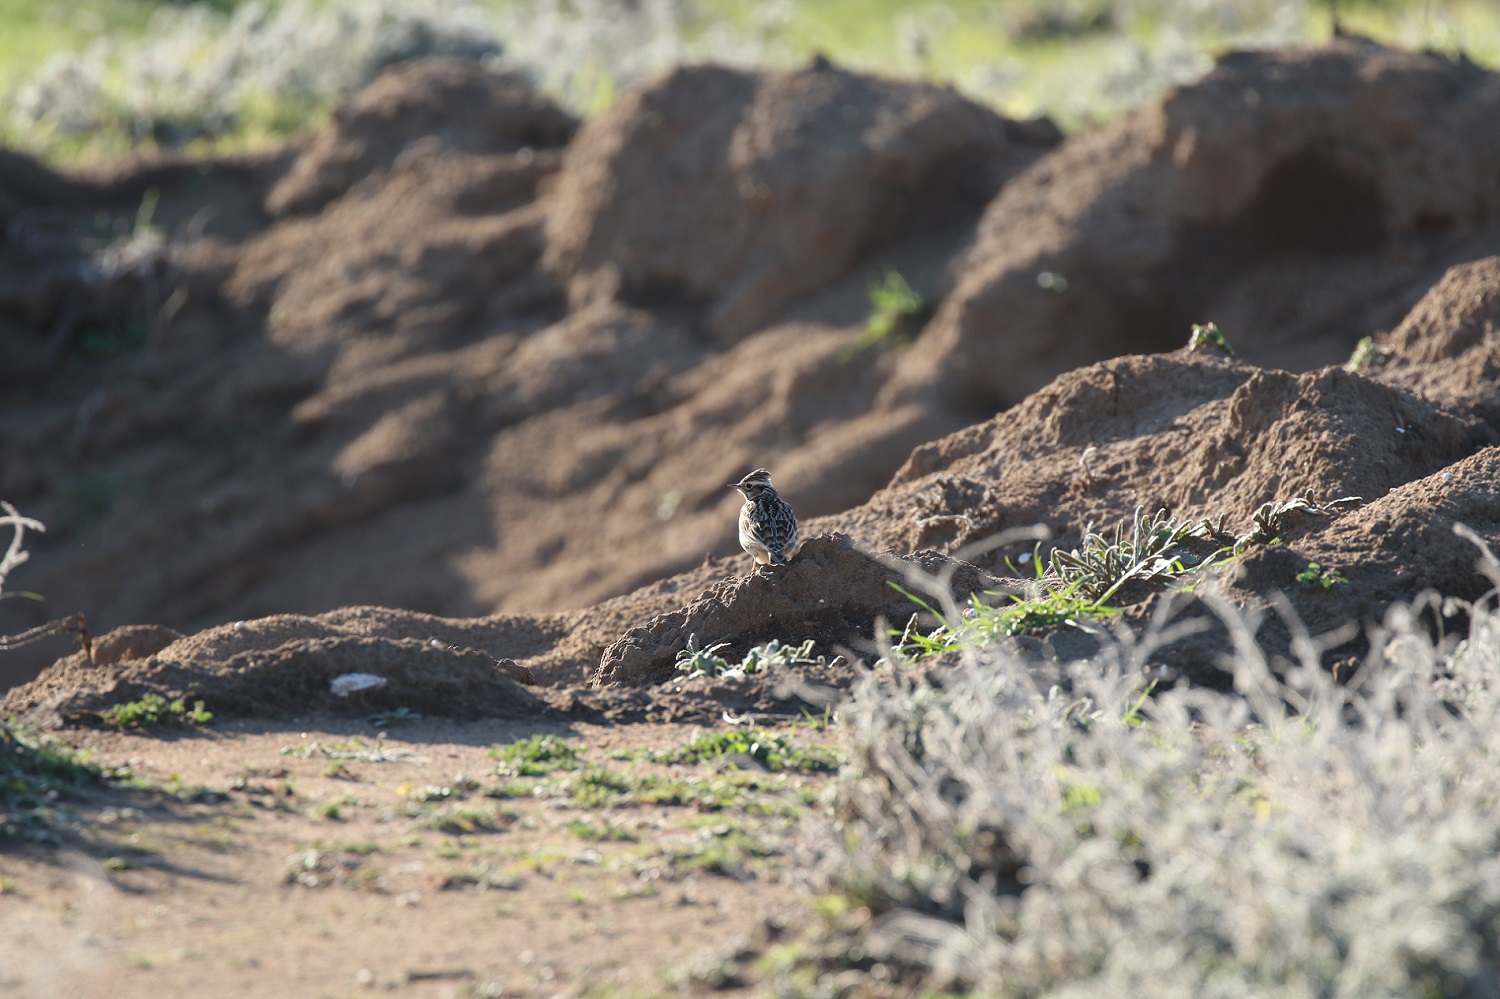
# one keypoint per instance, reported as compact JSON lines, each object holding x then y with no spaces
{"x":155,"y":711}
{"x":460,"y":787}
{"x":896,"y":315}
{"x":1079,"y":62}
{"x":1074,"y":587}
{"x":396,"y":716}
{"x":771,"y":750}
{"x":535,"y":756}
{"x":696,"y":660}
{"x":35,"y":776}
{"x":320,"y":864}
{"x":461,"y":820}
{"x":1095,"y":581}
{"x":602,"y":788}
{"x":35,"y":30}
{"x":1319,"y":577}
{"x":333,"y":811}
{"x":600,"y":832}
{"x":723,"y":848}
{"x":353,"y":748}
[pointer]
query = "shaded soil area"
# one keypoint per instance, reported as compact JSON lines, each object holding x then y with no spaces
{"x":461,"y":355}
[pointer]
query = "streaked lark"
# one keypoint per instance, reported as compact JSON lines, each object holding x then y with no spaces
{"x":768,"y":528}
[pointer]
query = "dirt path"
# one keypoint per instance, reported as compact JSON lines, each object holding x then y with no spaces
{"x":268,"y":860}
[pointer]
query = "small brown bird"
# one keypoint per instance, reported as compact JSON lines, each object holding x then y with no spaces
{"x":768,"y":528}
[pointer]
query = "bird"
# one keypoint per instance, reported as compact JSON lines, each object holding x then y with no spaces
{"x":768,"y":528}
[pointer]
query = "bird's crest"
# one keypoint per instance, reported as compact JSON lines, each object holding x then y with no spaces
{"x":758,"y":479}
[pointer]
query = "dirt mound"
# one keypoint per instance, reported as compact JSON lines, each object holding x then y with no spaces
{"x":1337,"y":580}
{"x":286,"y":664}
{"x":400,"y":357}
{"x":446,"y":103}
{"x":1448,"y":348}
{"x":1393,"y":549}
{"x":1188,"y":433}
{"x":746,"y":190}
{"x":434,"y":359}
{"x":831,"y":590}
{"x":1299,"y":199}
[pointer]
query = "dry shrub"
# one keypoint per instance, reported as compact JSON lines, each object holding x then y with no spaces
{"x":1298,"y":838}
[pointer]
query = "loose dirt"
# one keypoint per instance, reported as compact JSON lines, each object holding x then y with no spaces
{"x":328,"y":857}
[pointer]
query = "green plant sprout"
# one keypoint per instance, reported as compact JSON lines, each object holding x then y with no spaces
{"x":1270,"y":517}
{"x":1208,"y":338}
{"x":153,"y":710}
{"x":896,"y":314}
{"x":1077,"y":586}
{"x":535,"y":756}
{"x":1319,"y":577}
{"x":1367,"y":354}
{"x":696,"y":661}
{"x":1154,"y":550}
{"x":395,"y":716}
{"x":771,"y":750}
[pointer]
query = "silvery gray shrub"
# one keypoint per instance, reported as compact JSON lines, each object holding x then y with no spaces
{"x":1065,"y":836}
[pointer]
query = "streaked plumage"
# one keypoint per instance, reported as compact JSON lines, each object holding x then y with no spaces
{"x":768,"y":528}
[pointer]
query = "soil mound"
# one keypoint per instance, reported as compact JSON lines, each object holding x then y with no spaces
{"x":447,"y":355}
{"x":397,"y":355}
{"x":746,"y":191}
{"x":286,"y":665}
{"x":1189,"y":433}
{"x":446,"y":103}
{"x":831,"y":590}
{"x":1396,"y":548}
{"x":1298,"y":199}
{"x":1448,"y":348}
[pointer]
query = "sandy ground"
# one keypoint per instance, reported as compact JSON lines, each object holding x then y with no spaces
{"x":276,"y":860}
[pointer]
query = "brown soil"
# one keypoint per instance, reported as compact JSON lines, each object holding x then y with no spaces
{"x":324,"y":858}
{"x":449,"y":393}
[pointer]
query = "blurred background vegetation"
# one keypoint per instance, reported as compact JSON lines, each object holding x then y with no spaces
{"x":92,"y":79}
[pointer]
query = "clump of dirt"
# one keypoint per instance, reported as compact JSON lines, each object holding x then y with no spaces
{"x":131,"y":642}
{"x":448,"y":355}
{"x":284,"y":666}
{"x":1410,"y":552}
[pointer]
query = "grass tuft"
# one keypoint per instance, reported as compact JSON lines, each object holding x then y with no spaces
{"x":896,"y":315}
{"x":34,"y":777}
{"x":696,"y":661}
{"x":535,"y":756}
{"x":153,"y":710}
{"x":771,"y":750}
